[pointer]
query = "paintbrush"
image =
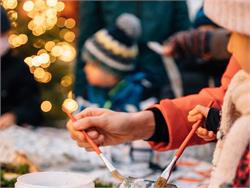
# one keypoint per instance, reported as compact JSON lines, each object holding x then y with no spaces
{"x":163,"y":179}
{"x":115,"y":173}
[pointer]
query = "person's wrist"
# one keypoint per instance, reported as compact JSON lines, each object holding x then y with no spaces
{"x":143,"y":125}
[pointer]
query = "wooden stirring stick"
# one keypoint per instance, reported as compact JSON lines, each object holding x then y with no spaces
{"x":163,"y":179}
{"x":115,"y":173}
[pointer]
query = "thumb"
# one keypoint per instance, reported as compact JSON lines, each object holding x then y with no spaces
{"x":86,"y":123}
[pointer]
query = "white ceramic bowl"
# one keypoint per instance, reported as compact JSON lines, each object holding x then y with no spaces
{"x":54,"y":180}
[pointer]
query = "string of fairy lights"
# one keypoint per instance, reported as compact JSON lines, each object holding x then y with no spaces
{"x":43,"y":16}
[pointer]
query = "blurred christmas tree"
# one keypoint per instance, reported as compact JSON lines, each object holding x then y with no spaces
{"x":45,"y":39}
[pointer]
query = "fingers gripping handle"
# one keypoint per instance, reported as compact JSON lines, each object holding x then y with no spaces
{"x":86,"y":136}
{"x":189,"y":136}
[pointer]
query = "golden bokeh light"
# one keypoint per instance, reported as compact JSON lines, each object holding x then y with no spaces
{"x":63,"y":32}
{"x":32,"y":69}
{"x":52,"y":59}
{"x":46,"y":106}
{"x":69,"y":36}
{"x":46,"y":47}
{"x":56,"y":51}
{"x":9,"y":4}
{"x":43,"y":14}
{"x":70,"y":23}
{"x":41,"y":51}
{"x":66,"y":81}
{"x":17,"y":40}
{"x":36,"y":61}
{"x":46,"y":65}
{"x":14,"y":24}
{"x":12,"y":15}
{"x":51,"y":3}
{"x":46,"y":78}
{"x":49,"y":45}
{"x":39,"y":73}
{"x":70,"y":95}
{"x":28,"y":6}
{"x":39,"y":43}
{"x":44,"y":58}
{"x":60,"y":22}
{"x":69,"y":53}
{"x":70,"y":104}
{"x":60,"y":6}
{"x":28,"y":61}
{"x":23,"y":38}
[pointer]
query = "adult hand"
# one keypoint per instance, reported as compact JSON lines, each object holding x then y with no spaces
{"x":197,"y":114}
{"x":106,"y":127}
{"x":200,"y":43}
{"x":187,"y":44}
{"x":7,"y":120}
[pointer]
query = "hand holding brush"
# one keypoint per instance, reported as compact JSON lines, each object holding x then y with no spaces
{"x":115,"y":173}
{"x":163,"y":179}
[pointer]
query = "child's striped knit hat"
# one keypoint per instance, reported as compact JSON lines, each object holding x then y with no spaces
{"x":115,"y":48}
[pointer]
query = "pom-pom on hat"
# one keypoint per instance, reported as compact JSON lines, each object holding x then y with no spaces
{"x":231,"y":14}
{"x":115,"y":48}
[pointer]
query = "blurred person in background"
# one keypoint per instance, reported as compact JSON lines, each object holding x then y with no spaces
{"x":159,"y":20}
{"x":201,"y":52}
{"x":110,"y":56}
{"x":20,"y":97}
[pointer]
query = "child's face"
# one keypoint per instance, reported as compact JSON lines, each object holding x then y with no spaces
{"x":97,"y":76}
{"x":239,"y":46}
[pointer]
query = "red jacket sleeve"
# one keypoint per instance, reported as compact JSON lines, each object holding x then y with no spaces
{"x":175,"y":111}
